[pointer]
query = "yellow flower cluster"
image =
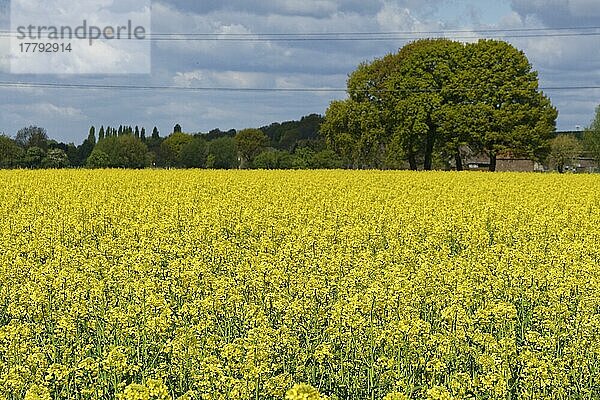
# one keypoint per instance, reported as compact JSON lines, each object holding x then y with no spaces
{"x":299,"y":285}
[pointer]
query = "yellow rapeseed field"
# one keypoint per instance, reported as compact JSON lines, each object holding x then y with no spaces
{"x":298,"y":285}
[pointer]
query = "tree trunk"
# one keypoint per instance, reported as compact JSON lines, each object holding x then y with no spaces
{"x":493,"y":160}
{"x":412,"y":161}
{"x":428,"y":164}
{"x":459,"y":163}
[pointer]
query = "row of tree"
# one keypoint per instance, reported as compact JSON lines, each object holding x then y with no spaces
{"x":250,"y":148}
{"x":292,"y":144}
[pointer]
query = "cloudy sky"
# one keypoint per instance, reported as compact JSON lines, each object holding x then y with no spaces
{"x":67,"y":113}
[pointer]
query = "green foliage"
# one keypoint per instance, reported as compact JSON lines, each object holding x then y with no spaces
{"x":217,"y":134}
{"x":306,"y":158}
{"x":353,"y":129}
{"x":33,"y":157}
{"x":32,"y":136}
{"x":325,"y":159}
{"x":85,"y":149}
{"x":222,"y":154}
{"x":132,"y":152}
{"x":288,"y":135}
{"x":98,"y":159}
{"x":55,"y":158}
{"x":194,"y":153}
{"x":435,"y":96}
{"x":92,"y":136}
{"x":503,"y":93}
{"x":273,"y":159}
{"x":11,"y":154}
{"x":250,"y":143}
{"x":125,"y":151}
{"x":563,"y":150}
{"x":171,"y":148}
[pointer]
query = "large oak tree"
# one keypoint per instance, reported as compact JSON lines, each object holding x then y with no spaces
{"x":435,"y":96}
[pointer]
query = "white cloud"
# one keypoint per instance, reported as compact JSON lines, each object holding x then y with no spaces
{"x":52,"y":110}
{"x":249,"y":80}
{"x":77,"y":54}
{"x":208,"y":78}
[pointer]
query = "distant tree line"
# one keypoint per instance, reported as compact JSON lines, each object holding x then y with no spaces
{"x":288,"y":145}
{"x":292,"y":144}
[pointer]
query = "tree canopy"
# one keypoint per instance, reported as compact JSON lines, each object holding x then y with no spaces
{"x":434,"y":97}
{"x":250,"y":143}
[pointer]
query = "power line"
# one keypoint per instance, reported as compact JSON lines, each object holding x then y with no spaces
{"x":340,"y":39}
{"x":515,"y":33}
{"x":81,"y":86}
{"x":159,"y":87}
{"x":358,"y":33}
{"x":359,"y":38}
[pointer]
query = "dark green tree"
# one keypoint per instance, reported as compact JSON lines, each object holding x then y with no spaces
{"x":32,"y":136}
{"x":73,"y":155}
{"x":435,"y":96}
{"x":101,"y":133}
{"x":92,"y":135}
{"x":98,"y":159}
{"x":222,"y":154}
{"x":171,"y":148}
{"x":250,"y":143}
{"x":503,"y":107}
{"x":194,"y":153}
{"x":124,"y":151}
{"x":326,"y":159}
{"x":33,"y":157}
{"x":273,"y":159}
{"x":85,"y":149}
{"x":11,"y":154}
{"x":133,"y":152}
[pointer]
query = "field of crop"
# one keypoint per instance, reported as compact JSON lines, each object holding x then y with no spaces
{"x":255,"y":285}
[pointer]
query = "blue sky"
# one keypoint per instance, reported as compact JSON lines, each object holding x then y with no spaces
{"x":67,"y":113}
